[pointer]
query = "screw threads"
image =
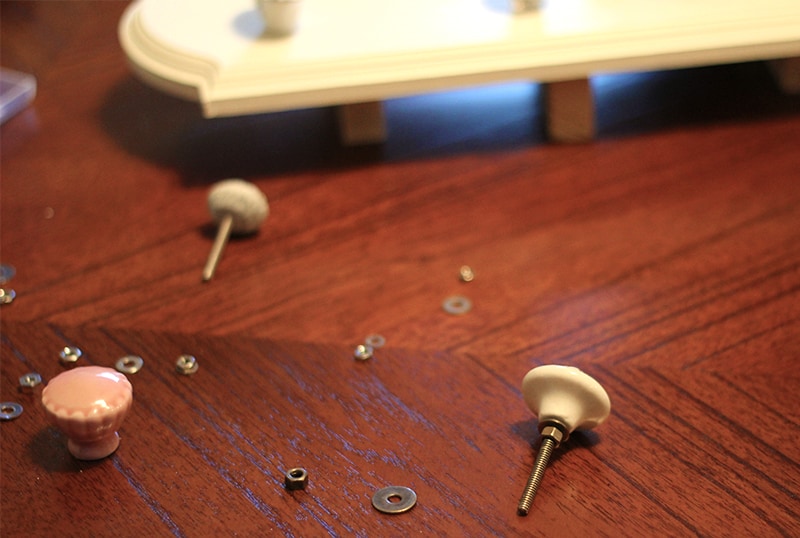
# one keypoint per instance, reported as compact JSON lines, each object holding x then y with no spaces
{"x":542,"y":458}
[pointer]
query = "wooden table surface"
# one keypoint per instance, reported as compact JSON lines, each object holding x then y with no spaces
{"x":663,"y":259}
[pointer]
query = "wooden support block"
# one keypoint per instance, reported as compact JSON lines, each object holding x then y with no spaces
{"x":362,"y":123}
{"x":787,"y":73}
{"x":569,"y":111}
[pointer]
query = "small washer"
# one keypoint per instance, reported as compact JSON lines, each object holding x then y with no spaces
{"x":376,"y":341}
{"x":457,"y":305}
{"x":7,"y":272}
{"x":129,"y":364}
{"x":394,"y":499}
{"x":10,"y":410}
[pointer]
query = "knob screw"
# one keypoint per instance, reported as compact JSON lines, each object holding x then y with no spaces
{"x":565,"y":399}
{"x":238,"y":207}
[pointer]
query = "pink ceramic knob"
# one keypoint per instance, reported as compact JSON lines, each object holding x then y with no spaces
{"x":88,"y":404}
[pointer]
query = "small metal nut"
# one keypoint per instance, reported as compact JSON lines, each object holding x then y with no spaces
{"x":70,"y":354}
{"x":466,"y":274}
{"x":7,"y":295}
{"x":553,"y":433}
{"x":296,"y":478}
{"x":30,"y":380}
{"x":363,"y":352}
{"x":187,"y":364}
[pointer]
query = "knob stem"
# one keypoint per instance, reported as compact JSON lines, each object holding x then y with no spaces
{"x":223,"y":233}
{"x":551,"y":438}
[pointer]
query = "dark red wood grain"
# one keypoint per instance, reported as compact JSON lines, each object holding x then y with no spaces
{"x":662,"y":258}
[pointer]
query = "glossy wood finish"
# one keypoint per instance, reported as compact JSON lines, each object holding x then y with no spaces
{"x":663,"y":259}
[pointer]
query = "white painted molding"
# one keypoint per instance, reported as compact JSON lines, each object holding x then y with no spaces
{"x":355,"y":51}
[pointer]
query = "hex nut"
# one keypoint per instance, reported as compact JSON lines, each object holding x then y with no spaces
{"x":553,"y":432}
{"x":363,"y":352}
{"x":186,"y":364}
{"x":70,"y":354}
{"x":30,"y":380}
{"x":7,"y":295}
{"x":466,"y":274}
{"x":296,"y":478}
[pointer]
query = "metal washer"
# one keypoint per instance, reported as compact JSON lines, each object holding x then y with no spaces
{"x":7,"y":272}
{"x":457,"y":305}
{"x":10,"y":410}
{"x":394,"y":499}
{"x":375,"y":340}
{"x":129,"y":364}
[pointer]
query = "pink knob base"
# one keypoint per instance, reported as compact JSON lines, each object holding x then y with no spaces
{"x":94,"y":450}
{"x":88,"y":404}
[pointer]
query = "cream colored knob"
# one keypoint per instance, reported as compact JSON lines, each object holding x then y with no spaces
{"x":566,"y":396}
{"x":239,"y":208}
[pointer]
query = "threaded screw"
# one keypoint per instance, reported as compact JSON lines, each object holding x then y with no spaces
{"x":551,"y":439}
